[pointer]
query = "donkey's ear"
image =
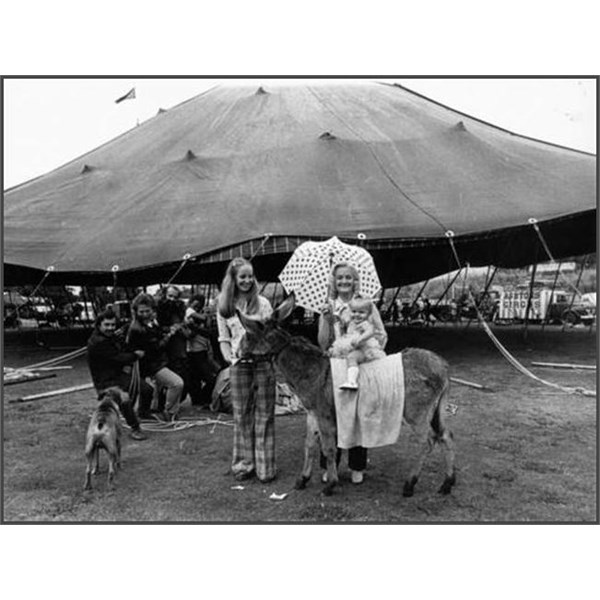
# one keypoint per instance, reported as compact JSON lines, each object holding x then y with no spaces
{"x":284,"y":310}
{"x":250,"y":325}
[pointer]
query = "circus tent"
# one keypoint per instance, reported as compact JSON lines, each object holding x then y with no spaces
{"x":253,"y":171}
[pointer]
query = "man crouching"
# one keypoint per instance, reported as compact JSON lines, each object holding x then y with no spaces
{"x":109,"y":363}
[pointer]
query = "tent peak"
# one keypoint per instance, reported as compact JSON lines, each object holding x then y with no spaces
{"x":327,"y":136}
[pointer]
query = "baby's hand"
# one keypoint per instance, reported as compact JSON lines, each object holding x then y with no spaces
{"x":326,"y":309}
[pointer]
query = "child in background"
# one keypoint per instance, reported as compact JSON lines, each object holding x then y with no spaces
{"x":358,"y":344}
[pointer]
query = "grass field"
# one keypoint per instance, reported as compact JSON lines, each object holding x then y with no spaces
{"x":526,"y":452}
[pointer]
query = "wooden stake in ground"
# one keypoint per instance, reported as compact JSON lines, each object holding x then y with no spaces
{"x":477,"y":386}
{"x":563,"y":366}
{"x":33,"y":397}
{"x":28,"y":378}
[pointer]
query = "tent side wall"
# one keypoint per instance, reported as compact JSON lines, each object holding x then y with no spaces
{"x":399,"y":262}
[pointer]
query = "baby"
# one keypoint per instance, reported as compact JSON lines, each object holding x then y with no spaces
{"x":358,"y":344}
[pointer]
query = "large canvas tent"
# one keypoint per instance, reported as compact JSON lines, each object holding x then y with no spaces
{"x":253,"y":171}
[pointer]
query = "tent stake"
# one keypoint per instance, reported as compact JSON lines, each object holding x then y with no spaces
{"x":564,"y":366}
{"x":27,"y":379}
{"x":31,"y":398}
{"x":477,"y":386}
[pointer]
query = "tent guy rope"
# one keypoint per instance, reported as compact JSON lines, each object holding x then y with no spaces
{"x":509,"y":357}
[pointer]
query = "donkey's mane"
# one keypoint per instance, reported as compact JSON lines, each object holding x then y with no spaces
{"x":301,"y":344}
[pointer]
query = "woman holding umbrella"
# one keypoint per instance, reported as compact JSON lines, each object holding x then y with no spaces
{"x":344,"y":285}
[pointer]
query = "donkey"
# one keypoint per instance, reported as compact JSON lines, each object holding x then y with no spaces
{"x":306,"y":369}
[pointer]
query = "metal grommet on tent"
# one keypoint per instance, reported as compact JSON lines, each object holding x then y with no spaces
{"x":532,"y":221}
{"x":50,"y":268}
{"x":114,"y":268}
{"x":361,"y":236}
{"x":449,"y":233}
{"x":187,"y":256}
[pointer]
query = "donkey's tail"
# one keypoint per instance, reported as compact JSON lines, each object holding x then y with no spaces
{"x":437,"y":420}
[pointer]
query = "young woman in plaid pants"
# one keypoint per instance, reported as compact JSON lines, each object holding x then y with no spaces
{"x":252,"y":381}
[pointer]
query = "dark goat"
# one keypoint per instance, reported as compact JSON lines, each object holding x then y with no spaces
{"x":307,"y":370}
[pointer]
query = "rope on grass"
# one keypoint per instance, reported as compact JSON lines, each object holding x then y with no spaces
{"x":173,"y":426}
{"x":509,"y":357}
{"x":515,"y":363}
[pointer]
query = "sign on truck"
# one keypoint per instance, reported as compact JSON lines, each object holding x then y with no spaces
{"x":553,"y":306}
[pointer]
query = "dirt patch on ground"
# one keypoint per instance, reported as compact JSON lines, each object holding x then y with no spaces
{"x":525,"y":452}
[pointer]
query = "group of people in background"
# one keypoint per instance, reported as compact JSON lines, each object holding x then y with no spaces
{"x":168,"y":344}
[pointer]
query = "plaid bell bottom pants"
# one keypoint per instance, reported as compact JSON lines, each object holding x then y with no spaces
{"x":253,"y":399}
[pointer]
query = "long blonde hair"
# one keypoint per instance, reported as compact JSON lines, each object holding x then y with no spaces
{"x":229,"y":294}
{"x":332,"y":292}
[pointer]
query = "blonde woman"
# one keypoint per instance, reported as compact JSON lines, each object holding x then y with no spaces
{"x":344,"y":285}
{"x":252,"y":381}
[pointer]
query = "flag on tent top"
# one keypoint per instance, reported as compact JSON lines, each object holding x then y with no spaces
{"x":130,"y":95}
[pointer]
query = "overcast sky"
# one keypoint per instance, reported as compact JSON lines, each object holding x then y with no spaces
{"x":48,"y":122}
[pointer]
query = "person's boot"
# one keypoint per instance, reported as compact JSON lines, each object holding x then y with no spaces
{"x":352,"y":379}
{"x":138,"y":434}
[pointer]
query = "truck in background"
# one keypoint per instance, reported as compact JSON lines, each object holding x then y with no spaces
{"x":547,"y":305}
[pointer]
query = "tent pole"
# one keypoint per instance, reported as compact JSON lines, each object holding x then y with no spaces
{"x":448,"y":287}
{"x":85,"y":302}
{"x":577,"y":286}
{"x":529,"y":298}
{"x":418,"y":295}
{"x":487,"y":275}
{"x":488,"y":283}
{"x":389,"y":310}
{"x":466,"y":276}
{"x":545,"y":320}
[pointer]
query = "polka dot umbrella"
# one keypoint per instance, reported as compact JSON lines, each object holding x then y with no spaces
{"x":307,"y":272}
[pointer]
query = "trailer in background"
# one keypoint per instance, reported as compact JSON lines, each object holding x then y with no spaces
{"x":547,"y":305}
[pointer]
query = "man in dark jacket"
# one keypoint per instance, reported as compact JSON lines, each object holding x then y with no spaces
{"x":146,"y":335}
{"x":110,"y":365}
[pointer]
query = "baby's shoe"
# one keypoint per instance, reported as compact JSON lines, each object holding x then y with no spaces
{"x":349,"y":385}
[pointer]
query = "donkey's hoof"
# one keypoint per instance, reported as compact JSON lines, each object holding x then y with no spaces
{"x":328,"y":489}
{"x":446,"y":487}
{"x":300,"y":483}
{"x":409,"y":487}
